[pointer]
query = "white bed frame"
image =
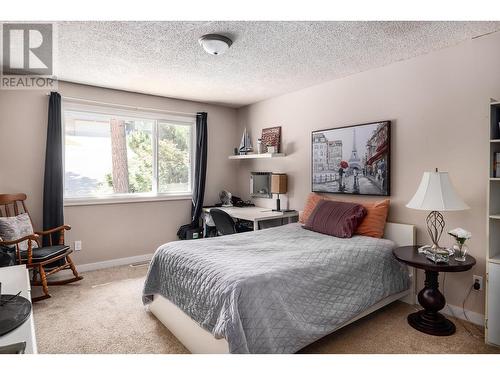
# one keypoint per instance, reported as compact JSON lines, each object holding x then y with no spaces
{"x":199,"y":341}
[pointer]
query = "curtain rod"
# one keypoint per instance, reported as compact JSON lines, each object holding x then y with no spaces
{"x":126,"y":106}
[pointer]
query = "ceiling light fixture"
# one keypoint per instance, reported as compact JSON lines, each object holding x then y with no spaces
{"x":215,"y":44}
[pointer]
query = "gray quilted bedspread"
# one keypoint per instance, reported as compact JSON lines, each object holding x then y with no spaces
{"x":274,"y":290}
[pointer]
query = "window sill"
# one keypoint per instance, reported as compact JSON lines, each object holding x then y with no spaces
{"x":121,"y":200}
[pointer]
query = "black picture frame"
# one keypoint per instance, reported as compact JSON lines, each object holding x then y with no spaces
{"x":368,"y":170}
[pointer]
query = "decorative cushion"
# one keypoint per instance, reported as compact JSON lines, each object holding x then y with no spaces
{"x":338,"y":219}
{"x":374,"y":222}
{"x":15,"y":227}
{"x":312,"y":201}
{"x":43,"y":253}
{"x":372,"y":225}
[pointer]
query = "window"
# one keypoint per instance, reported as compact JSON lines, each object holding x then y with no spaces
{"x":115,"y":154}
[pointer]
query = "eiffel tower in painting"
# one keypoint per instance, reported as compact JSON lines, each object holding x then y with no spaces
{"x":354,"y":160}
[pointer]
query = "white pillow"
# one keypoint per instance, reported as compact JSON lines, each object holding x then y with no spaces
{"x":15,"y":227}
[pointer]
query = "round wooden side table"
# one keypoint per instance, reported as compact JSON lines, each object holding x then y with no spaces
{"x":429,"y":320}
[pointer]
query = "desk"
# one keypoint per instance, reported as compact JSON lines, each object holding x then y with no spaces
{"x":15,"y":279}
{"x":256,"y":214}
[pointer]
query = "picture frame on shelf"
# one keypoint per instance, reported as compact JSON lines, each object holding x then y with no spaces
{"x":271,"y":137}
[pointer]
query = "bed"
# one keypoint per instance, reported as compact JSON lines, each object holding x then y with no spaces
{"x":275,"y":290}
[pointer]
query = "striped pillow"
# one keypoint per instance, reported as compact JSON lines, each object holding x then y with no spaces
{"x":374,"y":222}
{"x":338,"y":219}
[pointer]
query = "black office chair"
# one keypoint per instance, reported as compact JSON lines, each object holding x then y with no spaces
{"x":225,"y":224}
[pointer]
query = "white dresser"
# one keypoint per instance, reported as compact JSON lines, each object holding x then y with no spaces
{"x":15,"y":279}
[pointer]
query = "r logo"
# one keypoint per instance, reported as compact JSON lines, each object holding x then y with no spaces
{"x":27,"y":49}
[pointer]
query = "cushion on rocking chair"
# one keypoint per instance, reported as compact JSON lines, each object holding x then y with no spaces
{"x":45,"y":253}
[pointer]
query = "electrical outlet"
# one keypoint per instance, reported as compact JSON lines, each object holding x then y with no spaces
{"x":78,"y":246}
{"x":479,"y":280}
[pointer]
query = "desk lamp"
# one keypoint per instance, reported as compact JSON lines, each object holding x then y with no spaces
{"x":278,"y":186}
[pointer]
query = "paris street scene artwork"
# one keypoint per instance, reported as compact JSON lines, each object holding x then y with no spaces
{"x":352,"y":160}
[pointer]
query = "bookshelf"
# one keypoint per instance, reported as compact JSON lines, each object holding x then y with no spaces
{"x":492,"y":322}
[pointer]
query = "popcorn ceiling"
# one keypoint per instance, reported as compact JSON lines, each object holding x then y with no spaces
{"x":266,"y":59}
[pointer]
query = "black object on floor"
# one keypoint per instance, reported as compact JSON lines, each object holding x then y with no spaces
{"x":17,"y":348}
{"x":7,"y":256}
{"x":14,"y":311}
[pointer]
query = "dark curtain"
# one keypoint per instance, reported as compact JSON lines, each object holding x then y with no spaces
{"x":200,"y":173}
{"x":53,"y":215}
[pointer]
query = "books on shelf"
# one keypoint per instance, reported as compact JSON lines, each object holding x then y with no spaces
{"x":496,"y":164}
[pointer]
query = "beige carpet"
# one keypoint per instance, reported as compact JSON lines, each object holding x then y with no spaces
{"x":104,"y":314}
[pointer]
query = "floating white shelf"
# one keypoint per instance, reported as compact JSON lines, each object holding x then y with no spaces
{"x":495,"y":140}
{"x":496,"y":216}
{"x":494,"y":178}
{"x":259,"y":156}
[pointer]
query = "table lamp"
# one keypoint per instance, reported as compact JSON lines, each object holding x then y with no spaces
{"x":278,"y":186}
{"x":436,"y":193}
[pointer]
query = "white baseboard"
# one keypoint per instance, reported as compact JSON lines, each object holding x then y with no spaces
{"x":113,"y":263}
{"x":458,"y":312}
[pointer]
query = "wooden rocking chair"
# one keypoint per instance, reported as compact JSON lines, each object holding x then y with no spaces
{"x":38,"y":258}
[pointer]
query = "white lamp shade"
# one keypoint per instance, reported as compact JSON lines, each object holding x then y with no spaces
{"x":436,"y":193}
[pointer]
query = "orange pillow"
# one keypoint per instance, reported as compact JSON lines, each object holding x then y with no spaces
{"x":312,"y":200}
{"x":372,"y":225}
{"x":374,"y":222}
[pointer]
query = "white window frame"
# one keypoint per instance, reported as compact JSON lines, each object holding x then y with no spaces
{"x":157,"y":116}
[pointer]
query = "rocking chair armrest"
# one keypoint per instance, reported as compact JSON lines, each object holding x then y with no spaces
{"x":53,"y":230}
{"x":32,"y":237}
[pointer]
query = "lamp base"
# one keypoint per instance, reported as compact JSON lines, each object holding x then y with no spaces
{"x":278,"y":208}
{"x":438,"y":255}
{"x":435,"y":226}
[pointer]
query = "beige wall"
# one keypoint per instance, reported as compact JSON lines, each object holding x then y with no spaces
{"x":438,"y":104}
{"x":107,"y":231}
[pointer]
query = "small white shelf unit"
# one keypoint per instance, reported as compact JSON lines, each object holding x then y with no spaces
{"x":492,"y":322}
{"x":258,"y":156}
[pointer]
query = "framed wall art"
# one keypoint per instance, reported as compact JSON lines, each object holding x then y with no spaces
{"x":352,"y":159}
